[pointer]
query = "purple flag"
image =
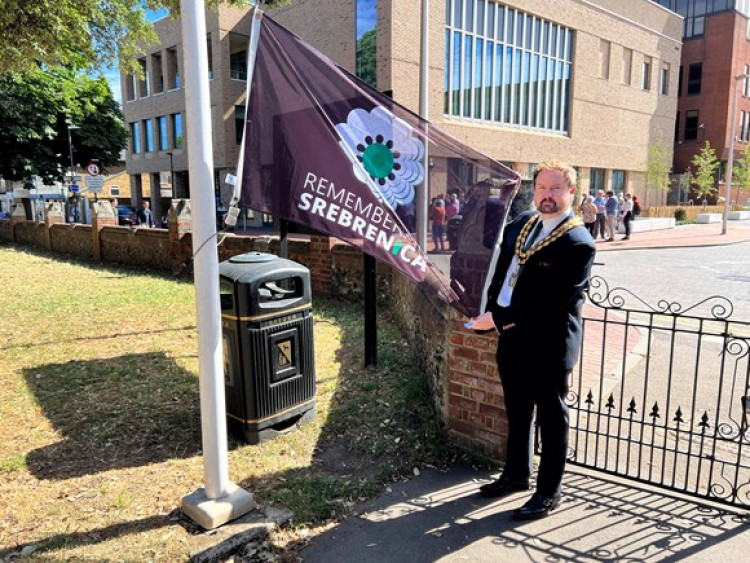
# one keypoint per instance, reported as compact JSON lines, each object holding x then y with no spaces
{"x":325,"y":150}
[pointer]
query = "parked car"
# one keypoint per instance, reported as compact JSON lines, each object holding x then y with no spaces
{"x":126,"y":215}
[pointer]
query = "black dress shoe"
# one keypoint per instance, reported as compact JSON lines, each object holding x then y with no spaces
{"x":503,"y":487}
{"x":537,"y":507}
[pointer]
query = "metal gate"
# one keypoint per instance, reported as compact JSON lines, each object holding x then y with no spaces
{"x":661,"y":394}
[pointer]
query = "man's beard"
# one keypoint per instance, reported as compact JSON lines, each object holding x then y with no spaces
{"x":548,"y":207}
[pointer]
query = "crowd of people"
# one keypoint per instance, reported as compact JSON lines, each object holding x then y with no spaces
{"x":442,"y":210}
{"x":604,"y":213}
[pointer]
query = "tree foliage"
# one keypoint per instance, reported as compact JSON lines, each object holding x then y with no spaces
{"x":367,"y":58}
{"x":659,"y":164}
{"x":35,"y":110}
{"x":741,"y":175}
{"x":80,"y":33}
{"x":706,"y":164}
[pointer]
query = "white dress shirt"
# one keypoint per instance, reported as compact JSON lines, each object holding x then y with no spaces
{"x":548,"y":225}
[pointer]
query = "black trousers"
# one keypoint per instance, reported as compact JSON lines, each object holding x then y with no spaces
{"x":526,"y":387}
{"x":626,"y":221}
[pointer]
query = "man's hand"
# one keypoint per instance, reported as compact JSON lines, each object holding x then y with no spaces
{"x":482,"y":322}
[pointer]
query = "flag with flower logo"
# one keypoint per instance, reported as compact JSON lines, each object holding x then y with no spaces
{"x":323,"y":149}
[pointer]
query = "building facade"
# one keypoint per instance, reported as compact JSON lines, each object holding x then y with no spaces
{"x":716,"y":50}
{"x":592,"y":83}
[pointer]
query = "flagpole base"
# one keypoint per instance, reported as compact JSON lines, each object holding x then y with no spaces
{"x":212,"y":513}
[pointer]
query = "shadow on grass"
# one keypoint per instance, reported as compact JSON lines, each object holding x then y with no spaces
{"x":120,"y":412}
{"x":139,"y":409}
{"x":90,"y":537}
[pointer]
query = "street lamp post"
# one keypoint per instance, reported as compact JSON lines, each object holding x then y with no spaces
{"x":171,"y":176}
{"x":730,"y":163}
{"x":70,"y":148}
{"x":72,"y":163}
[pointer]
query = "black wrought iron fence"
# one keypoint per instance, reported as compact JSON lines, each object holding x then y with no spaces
{"x":660,"y":394}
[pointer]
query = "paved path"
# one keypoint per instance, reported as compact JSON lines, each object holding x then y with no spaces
{"x":684,"y":235}
{"x":439,"y":517}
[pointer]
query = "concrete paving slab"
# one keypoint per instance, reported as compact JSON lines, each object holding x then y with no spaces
{"x":439,"y":517}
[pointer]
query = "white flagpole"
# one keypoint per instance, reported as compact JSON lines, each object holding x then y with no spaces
{"x":423,"y":194}
{"x":219,"y":501}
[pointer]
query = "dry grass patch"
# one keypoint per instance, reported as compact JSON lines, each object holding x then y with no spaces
{"x":100,"y":434}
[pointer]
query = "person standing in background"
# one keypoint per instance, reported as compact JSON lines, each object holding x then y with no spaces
{"x":611,"y":211}
{"x":145,"y":215}
{"x":600,"y":202}
{"x":627,"y":214}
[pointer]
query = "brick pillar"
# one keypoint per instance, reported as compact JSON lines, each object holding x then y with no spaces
{"x":180,"y":221}
{"x":320,"y":265}
{"x":476,"y":411}
{"x":101,"y":214}
{"x":17,"y":214}
{"x":54,"y":214}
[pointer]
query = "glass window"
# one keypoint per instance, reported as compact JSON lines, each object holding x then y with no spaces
{"x":618,"y":180}
{"x":239,"y":123}
{"x":238,"y":65}
{"x":691,"y":125}
{"x":177,"y":130}
{"x":627,"y":65}
{"x":501,"y":71}
{"x":596,"y":180}
{"x":695,"y":75}
{"x":481,"y":20}
{"x":664,"y":86}
{"x":149,"y":127}
{"x":679,"y":82}
{"x":163,"y":140}
{"x":135,"y":135}
{"x":699,"y":25}
{"x":500,"y":30}
{"x":646,"y":77}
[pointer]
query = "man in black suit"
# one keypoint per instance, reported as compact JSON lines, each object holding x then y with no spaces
{"x":534,"y":302}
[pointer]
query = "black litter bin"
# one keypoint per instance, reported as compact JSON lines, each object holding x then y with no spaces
{"x":267,"y":330}
{"x":454,"y":224}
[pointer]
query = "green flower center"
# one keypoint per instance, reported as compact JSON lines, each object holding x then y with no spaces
{"x":377,"y":160}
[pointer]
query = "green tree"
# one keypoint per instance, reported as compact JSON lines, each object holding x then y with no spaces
{"x":705,"y":164}
{"x":741,"y":174}
{"x":35,"y":110}
{"x":366,"y":58}
{"x":80,"y":33}
{"x":658,"y":165}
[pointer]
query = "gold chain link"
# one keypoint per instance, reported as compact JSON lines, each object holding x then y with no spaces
{"x":524,"y":255}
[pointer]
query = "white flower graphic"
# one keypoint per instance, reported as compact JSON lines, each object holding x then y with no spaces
{"x":384,"y":154}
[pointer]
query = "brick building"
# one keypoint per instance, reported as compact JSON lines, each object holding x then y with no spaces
{"x":523,"y":80}
{"x":716,"y":49}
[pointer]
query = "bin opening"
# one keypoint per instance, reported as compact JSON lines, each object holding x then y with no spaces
{"x":277,"y":290}
{"x":288,"y":424}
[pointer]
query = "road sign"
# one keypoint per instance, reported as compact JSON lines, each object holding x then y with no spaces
{"x":74,"y":188}
{"x":94,"y":183}
{"x":93,"y":169}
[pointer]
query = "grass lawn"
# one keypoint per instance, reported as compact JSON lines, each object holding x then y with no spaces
{"x":100,"y":433}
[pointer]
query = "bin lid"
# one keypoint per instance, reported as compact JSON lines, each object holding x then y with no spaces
{"x":253,"y":258}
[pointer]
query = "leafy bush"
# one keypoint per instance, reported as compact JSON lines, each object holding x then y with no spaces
{"x":680,"y":214}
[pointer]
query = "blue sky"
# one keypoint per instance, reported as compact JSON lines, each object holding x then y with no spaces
{"x":366,"y":16}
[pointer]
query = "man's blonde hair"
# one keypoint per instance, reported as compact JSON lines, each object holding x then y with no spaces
{"x":567,"y":170}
